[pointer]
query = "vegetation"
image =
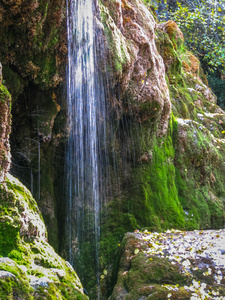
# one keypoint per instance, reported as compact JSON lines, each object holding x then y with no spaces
{"x":203,"y":25}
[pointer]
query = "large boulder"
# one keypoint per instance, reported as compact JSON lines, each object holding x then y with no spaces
{"x":171,"y":265}
{"x":29,"y":266}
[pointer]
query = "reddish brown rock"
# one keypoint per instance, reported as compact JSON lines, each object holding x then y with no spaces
{"x":33,"y":39}
{"x":139,"y":69}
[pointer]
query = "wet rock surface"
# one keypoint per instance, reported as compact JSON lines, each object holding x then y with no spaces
{"x":172,"y":265}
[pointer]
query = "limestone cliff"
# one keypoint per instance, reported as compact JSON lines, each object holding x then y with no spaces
{"x":33,"y":40}
{"x":138,"y":69}
{"x":172,"y":180}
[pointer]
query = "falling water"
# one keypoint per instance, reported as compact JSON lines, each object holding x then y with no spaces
{"x":87,"y":134}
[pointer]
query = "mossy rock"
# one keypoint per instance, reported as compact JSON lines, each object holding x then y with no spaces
{"x":146,"y":277}
{"x":177,"y":183}
{"x":30,"y":268}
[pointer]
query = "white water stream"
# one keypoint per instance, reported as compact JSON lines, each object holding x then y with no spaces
{"x":86,"y":115}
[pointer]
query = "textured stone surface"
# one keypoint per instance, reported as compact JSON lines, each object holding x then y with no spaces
{"x":171,"y":165}
{"x":139,"y":70}
{"x":5,"y":128}
{"x":174,"y":264}
{"x":33,"y":40}
{"x":33,"y":52}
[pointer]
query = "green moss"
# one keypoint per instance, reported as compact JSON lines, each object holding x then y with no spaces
{"x":194,"y":203}
{"x":167,"y":187}
{"x":19,"y":257}
{"x":153,"y":270}
{"x":18,"y":194}
{"x":151,"y":199}
{"x":22,"y":239}
{"x":47,"y":65}
{"x":4,"y":93}
{"x":9,"y":236}
{"x":13,"y":284}
{"x":141,"y":275}
{"x":34,"y":44}
{"x":9,"y":287}
{"x":199,"y":192}
{"x":156,"y":190}
{"x":170,"y":57}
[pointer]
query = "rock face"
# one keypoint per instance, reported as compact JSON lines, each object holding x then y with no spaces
{"x":29,"y":266}
{"x":5,"y":128}
{"x":32,"y":39}
{"x":172,"y":177}
{"x":137,"y":45}
{"x":33,"y":52}
{"x":138,"y":69}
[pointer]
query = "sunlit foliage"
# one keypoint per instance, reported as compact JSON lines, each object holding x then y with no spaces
{"x":203,"y":25}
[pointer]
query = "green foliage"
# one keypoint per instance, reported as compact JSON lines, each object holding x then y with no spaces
{"x":203,"y":25}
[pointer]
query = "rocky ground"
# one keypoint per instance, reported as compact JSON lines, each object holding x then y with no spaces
{"x":172,"y":265}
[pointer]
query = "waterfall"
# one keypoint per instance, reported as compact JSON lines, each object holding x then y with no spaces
{"x":87,"y":136}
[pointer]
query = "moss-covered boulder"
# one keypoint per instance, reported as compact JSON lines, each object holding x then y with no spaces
{"x":170,"y":265}
{"x":29,"y":267}
{"x":140,"y":276}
